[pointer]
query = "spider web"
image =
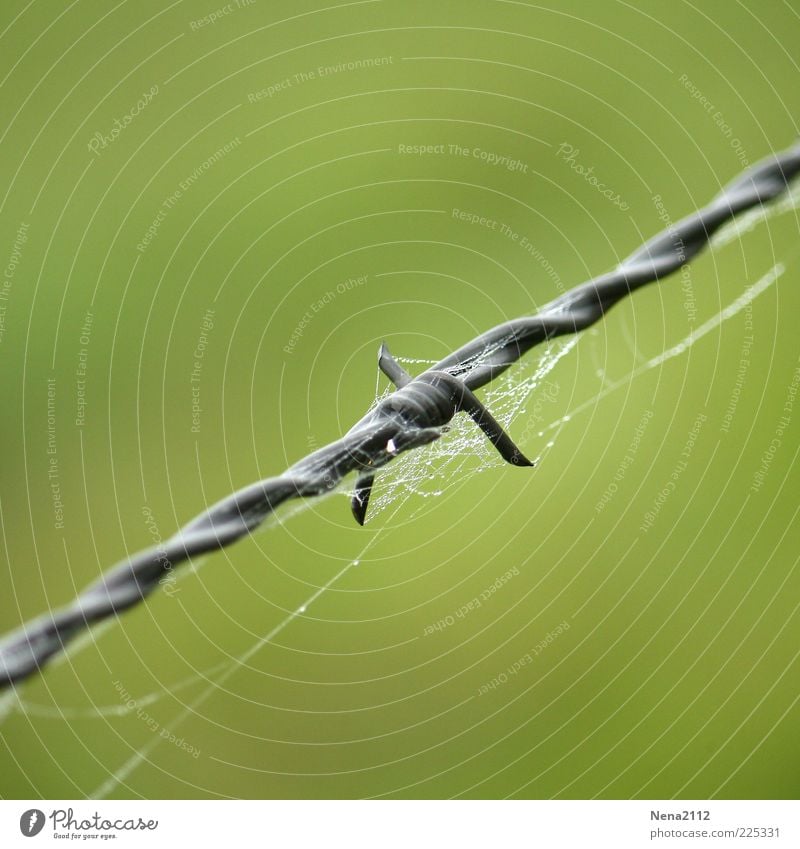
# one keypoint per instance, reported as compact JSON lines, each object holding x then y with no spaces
{"x":464,"y":450}
{"x":519,"y":394}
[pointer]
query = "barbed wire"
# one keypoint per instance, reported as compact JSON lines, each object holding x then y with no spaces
{"x":415,"y":414}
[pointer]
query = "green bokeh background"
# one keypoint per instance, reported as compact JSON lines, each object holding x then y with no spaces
{"x":678,"y":675}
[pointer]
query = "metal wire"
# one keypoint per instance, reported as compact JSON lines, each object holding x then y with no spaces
{"x":408,"y":418}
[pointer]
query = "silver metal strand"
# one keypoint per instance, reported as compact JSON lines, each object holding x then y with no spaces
{"x":410,"y":417}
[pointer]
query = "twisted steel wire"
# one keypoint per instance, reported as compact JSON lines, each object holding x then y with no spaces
{"x":412,"y":416}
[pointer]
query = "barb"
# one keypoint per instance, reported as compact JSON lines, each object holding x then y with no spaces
{"x":414,"y":415}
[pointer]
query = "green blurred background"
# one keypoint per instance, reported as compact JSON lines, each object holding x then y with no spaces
{"x":272,"y":180}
